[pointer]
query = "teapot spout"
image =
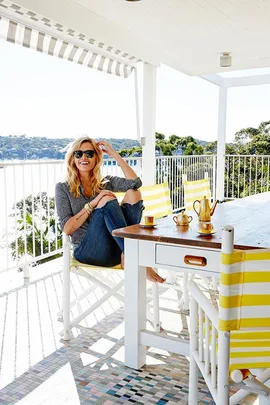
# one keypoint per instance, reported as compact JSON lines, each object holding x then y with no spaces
{"x":213,"y":207}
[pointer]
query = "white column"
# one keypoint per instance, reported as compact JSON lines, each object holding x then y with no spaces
{"x":149,"y":125}
{"x":135,"y":305}
{"x":221,"y":142}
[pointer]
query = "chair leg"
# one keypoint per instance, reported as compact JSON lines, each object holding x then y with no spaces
{"x":185,"y":291}
{"x":214,"y":284}
{"x":66,"y":297}
{"x":156,"y":307}
{"x":193,"y":368}
{"x":93,"y":307}
{"x":223,"y":368}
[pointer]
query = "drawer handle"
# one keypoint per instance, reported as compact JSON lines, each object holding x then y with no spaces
{"x":195,"y":260}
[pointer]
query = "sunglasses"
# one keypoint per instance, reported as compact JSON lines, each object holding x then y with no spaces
{"x":88,"y":153}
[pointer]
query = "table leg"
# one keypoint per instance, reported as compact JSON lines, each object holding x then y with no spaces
{"x":135,"y":305}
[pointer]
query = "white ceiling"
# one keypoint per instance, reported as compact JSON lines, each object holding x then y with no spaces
{"x":191,"y":34}
{"x":188,"y":35}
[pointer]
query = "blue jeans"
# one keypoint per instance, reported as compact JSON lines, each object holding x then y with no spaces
{"x":98,"y":246}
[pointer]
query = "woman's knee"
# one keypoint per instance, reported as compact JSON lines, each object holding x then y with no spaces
{"x":105,"y":199}
{"x":132,"y":197}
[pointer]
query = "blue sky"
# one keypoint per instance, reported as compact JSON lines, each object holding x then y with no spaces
{"x":45,"y":96}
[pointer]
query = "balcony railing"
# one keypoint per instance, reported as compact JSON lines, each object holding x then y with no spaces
{"x":29,"y":232}
{"x":246,"y":175}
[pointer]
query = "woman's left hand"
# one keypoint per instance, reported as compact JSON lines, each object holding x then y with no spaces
{"x":106,"y":148}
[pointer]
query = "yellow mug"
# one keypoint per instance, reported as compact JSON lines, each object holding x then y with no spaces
{"x":149,"y":220}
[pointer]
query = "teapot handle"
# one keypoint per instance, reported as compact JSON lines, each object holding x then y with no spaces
{"x":190,"y":218}
{"x":175,"y":219}
{"x":198,"y":213}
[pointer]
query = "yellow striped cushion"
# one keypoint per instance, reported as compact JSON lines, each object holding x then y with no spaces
{"x":75,"y":263}
{"x":156,"y":200}
{"x":249,"y":350}
{"x":196,"y":190}
{"x":244,"y":301}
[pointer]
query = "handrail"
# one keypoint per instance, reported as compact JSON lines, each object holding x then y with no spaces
{"x":29,"y":181}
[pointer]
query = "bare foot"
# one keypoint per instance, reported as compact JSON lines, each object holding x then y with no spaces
{"x":151,"y":275}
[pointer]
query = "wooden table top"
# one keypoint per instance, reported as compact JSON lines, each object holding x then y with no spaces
{"x":249,"y":216}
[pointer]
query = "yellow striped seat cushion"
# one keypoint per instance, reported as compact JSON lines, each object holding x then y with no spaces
{"x":249,"y":350}
{"x":196,"y":190}
{"x":75,"y":263}
{"x":156,"y":200}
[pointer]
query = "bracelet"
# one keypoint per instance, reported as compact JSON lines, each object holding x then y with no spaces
{"x":89,"y":208}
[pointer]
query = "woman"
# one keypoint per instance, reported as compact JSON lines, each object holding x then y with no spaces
{"x":88,"y":209}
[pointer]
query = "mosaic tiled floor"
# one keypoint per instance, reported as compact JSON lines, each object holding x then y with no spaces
{"x":37,"y":368}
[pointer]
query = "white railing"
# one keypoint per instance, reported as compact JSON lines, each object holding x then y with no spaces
{"x":29,"y":232}
{"x":173,"y":168}
{"x":246,"y":175}
{"x":28,"y":224}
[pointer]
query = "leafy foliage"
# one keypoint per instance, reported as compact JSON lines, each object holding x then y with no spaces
{"x":37,"y":231}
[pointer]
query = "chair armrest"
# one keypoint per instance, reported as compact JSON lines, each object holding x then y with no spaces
{"x":66,"y":245}
{"x":203,"y":302}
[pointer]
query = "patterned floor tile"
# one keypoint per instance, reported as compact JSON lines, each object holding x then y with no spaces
{"x":37,"y":368}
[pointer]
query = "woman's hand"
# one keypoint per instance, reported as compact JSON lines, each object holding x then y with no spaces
{"x":127,"y":170}
{"x":102,"y":194}
{"x":107,"y":148}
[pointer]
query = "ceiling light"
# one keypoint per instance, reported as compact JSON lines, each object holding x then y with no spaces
{"x":133,"y":0}
{"x":226,"y":59}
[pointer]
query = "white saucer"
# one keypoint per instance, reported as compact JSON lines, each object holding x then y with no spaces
{"x":206,"y":233}
{"x":147,"y":226}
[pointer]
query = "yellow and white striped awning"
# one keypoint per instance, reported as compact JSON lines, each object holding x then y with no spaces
{"x":24,"y":27}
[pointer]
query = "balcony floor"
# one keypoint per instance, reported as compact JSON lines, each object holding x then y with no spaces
{"x":38,"y":368}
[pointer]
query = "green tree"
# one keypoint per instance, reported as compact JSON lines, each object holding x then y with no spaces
{"x":159,"y":136}
{"x":193,"y":148}
{"x":211,"y":148}
{"x":36,"y":228}
{"x":165,"y":147}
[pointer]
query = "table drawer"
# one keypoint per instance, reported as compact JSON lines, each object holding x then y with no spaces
{"x":186,"y":257}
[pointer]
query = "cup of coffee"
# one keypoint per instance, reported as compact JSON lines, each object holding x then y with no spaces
{"x":205,"y":227}
{"x":149,"y":220}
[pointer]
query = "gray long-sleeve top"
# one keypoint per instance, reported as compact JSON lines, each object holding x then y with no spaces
{"x":67,"y":205}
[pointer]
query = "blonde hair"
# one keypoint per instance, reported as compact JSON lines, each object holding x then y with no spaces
{"x":73,"y":175}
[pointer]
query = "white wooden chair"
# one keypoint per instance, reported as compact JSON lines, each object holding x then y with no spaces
{"x":228,"y":343}
{"x":157,"y":201}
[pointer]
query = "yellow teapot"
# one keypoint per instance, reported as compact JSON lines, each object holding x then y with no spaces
{"x":182,"y":218}
{"x":205,"y":211}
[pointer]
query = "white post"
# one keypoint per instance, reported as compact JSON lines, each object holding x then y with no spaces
{"x":193,"y":371}
{"x":135,"y":305}
{"x":224,"y":337}
{"x":221,"y":142}
{"x":66,"y":287}
{"x":26,"y":272}
{"x":149,"y":125}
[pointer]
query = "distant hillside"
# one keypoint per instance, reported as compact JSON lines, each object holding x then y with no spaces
{"x":200,"y":142}
{"x":21,"y":147}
